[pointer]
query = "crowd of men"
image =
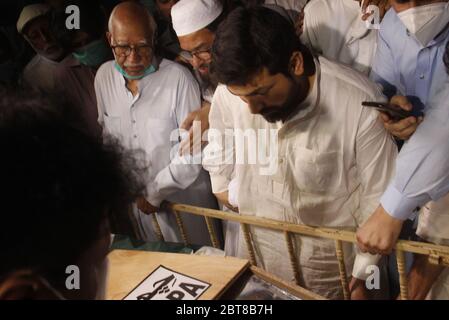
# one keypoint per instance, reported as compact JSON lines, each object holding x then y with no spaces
{"x":253,"y":107}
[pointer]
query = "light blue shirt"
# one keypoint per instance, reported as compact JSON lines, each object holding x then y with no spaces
{"x":422,"y":167}
{"x":402,"y":65}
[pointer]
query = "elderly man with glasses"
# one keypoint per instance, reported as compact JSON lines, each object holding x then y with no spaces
{"x":142,"y":100}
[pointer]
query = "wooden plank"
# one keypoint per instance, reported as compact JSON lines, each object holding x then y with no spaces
{"x":128,"y":268}
{"x":328,"y":233}
{"x":285,"y":285}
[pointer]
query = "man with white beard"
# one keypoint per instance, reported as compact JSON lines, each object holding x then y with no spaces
{"x":34,"y":25}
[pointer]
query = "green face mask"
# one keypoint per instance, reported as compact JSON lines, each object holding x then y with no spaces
{"x":94,"y":54}
{"x":151,"y":69}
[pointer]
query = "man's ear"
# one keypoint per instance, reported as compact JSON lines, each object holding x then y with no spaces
{"x":296,"y":66}
{"x":109,"y":37}
{"x":24,"y":285}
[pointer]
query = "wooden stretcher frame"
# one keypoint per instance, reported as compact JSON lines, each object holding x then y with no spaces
{"x":438,"y":255}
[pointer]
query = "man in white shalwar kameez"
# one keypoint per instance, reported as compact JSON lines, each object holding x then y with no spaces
{"x":333,"y":158}
{"x":142,"y":101}
{"x":336,"y":30}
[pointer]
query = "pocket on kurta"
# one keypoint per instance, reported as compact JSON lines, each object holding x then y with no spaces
{"x":158,"y":137}
{"x":112,"y":125}
{"x":317,"y":172}
{"x":160,"y":132}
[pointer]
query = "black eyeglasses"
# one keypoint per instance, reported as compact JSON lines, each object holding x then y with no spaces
{"x":125,"y":51}
{"x":200,"y":54}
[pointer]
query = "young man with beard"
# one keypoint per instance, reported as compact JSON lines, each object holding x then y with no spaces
{"x":334,"y":159}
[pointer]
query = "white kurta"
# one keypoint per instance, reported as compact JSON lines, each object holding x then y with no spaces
{"x":150,"y":122}
{"x":334,"y":29}
{"x":39,"y":73}
{"x":334,"y":161}
{"x":433,"y":226}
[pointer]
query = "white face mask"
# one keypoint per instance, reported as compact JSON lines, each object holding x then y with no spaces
{"x":426,"y":22}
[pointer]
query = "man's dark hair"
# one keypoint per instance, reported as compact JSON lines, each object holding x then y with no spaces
{"x":58,"y":184}
{"x":250,"y":39}
{"x":213,"y":26}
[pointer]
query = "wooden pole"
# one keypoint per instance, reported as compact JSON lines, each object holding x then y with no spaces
{"x":342,"y":269}
{"x":157,"y":227}
{"x":180,"y":224}
{"x":249,"y":245}
{"x":291,"y":253}
{"x":213,"y":236}
{"x":403,"y":284}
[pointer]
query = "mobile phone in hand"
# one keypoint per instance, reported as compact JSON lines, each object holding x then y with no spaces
{"x":395,"y":112}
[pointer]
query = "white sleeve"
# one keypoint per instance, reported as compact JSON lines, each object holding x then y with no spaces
{"x":183,"y":170}
{"x":375,"y":159}
{"x":313,"y":29}
{"x":219,"y":157}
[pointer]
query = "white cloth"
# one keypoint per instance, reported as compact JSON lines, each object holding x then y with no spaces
{"x":39,"y":73}
{"x":189,"y":16}
{"x":334,"y":161}
{"x":334,"y":29}
{"x":292,"y":7}
{"x":150,"y":121}
{"x":207,"y":89}
{"x":433,"y":226}
{"x":233,"y":193}
{"x":433,"y":220}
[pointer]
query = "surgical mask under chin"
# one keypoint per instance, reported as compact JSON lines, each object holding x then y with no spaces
{"x":149,"y":70}
{"x":94,"y":54}
{"x":425,"y":22}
